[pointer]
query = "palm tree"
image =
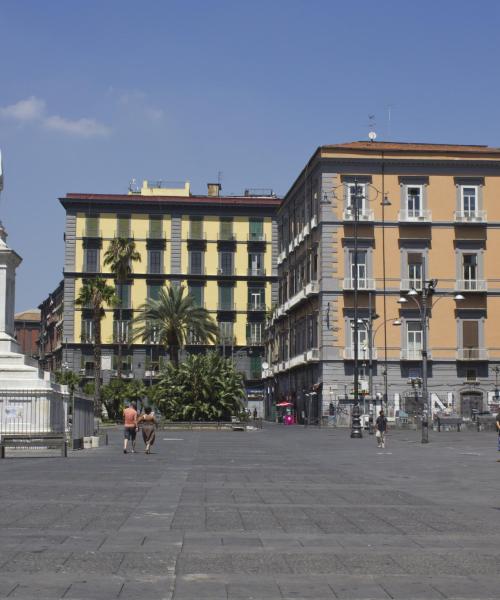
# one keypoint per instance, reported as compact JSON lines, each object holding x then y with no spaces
{"x":172,"y":319}
{"x":93,"y":294}
{"x":119,"y":256}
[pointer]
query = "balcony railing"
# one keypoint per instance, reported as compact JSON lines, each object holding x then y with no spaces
{"x":196,"y":270}
{"x":256,"y":272}
{"x":226,"y":306}
{"x":364,"y":214}
{"x":412,"y":354}
{"x":472,"y":354}
{"x":470,"y":216}
{"x":226,"y":271}
{"x":256,"y":307}
{"x":312,"y":354}
{"x":367,"y":283}
{"x":90,"y":232}
{"x":414,"y":216}
{"x":254,"y":340}
{"x":363,"y":353}
{"x":227,"y":340}
{"x":411,"y":284}
{"x":256,"y":237}
{"x":472,"y":285}
{"x":312,"y":288}
{"x":156,"y":235}
{"x":224,"y":236}
{"x":196,"y":235}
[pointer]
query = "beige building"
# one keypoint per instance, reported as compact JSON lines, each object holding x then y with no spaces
{"x":440,"y":221}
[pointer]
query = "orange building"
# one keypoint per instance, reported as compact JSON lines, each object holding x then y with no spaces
{"x":440,"y":221}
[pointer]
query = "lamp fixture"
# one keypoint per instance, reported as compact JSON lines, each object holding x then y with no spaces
{"x":413,"y":292}
{"x":386,"y":202}
{"x":402,"y":300}
{"x":458,"y":297}
{"x":396,"y":323}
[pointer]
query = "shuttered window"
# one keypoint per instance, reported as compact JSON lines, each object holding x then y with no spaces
{"x":225,"y":297}
{"x":155,"y":228}
{"x":470,"y":334}
{"x":123,"y":230}
{"x":226,"y":229}
{"x":154,"y":292}
{"x":256,"y":229}
{"x":196,"y":228}
{"x":195,"y":262}
{"x":196,"y":291}
{"x":92,"y":226}
{"x":155,"y":261}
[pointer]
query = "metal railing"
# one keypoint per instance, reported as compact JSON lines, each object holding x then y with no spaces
{"x":256,"y":307}
{"x":256,"y":272}
{"x":366,"y":283}
{"x":472,"y":285}
{"x":472,"y":354}
{"x":32,"y":412}
{"x":256,"y":237}
{"x":364,"y":214}
{"x":410,"y":284}
{"x":470,"y":216}
{"x":414,"y":216}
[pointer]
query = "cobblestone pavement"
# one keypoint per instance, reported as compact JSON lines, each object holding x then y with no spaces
{"x":283,"y":513}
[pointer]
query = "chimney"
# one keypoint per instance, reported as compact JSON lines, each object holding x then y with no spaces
{"x":214,"y":189}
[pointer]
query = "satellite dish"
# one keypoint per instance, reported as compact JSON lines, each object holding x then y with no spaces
{"x":372,"y":136}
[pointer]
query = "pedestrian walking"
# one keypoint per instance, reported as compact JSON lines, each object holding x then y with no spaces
{"x":381,"y":427}
{"x":130,"y":426}
{"x":498,"y":431}
{"x":255,"y":413}
{"x":147,"y":423}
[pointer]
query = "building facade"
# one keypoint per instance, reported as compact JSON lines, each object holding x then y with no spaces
{"x":51,"y":342}
{"x":222,"y":248}
{"x":27,"y":331}
{"x":385,"y":218}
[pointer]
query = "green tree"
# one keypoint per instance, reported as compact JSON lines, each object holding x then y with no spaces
{"x":119,"y":256}
{"x":94,"y":295}
{"x":117,"y":393}
{"x":172,"y":318}
{"x":203,"y":387}
{"x":69,"y":378}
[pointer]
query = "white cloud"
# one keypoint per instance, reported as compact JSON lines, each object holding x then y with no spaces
{"x":155,"y":114}
{"x":33,"y":109}
{"x":77,"y":127}
{"x":25,"y":110}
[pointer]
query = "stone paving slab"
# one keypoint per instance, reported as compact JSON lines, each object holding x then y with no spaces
{"x":285,"y":513}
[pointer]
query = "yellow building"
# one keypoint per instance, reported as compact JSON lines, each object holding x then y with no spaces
{"x":440,"y":221}
{"x":220,"y":247}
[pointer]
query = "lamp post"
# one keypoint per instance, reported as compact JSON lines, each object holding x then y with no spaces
{"x":356,"y":429}
{"x":423,"y":301}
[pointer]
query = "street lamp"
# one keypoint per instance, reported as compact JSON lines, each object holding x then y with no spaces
{"x":423,"y":300}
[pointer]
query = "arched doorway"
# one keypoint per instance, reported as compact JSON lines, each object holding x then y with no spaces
{"x":471,"y":402}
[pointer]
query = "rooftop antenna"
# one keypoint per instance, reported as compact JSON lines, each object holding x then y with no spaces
{"x":372,"y":136}
{"x":389,"y":111}
{"x":219,"y":177}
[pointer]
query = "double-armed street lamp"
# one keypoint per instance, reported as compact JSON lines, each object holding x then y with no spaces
{"x":423,"y":300}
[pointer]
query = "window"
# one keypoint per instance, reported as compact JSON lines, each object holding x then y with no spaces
{"x":196,"y":262}
{"x":362,"y":340}
{"x":226,"y":229}
{"x":469,"y":200}
{"x":154,"y":292}
{"x":414,"y":339}
{"x":226,"y":297}
{"x":255,"y":367}
{"x":256,"y":298}
{"x":196,"y":228}
{"x":155,"y":228}
{"x":414,"y":201}
{"x":469,"y":270}
{"x":415,"y":269}
{"x":87,"y":366}
{"x":123,"y":230}
{"x":91,"y":260}
{"x":256,"y":230}
{"x":226,"y":332}
{"x":123,"y":293}
{"x":256,"y":264}
{"x":356,"y":195}
{"x":254,"y":333}
{"x":470,"y":339}
{"x":87,"y":333}
{"x":126,"y":363}
{"x":155,"y":260}
{"x":91,"y":226}
{"x":121,"y":330}
{"x":226,"y":263}
{"x":361,"y":268}
{"x":471,"y":374}
{"x":196,"y":292}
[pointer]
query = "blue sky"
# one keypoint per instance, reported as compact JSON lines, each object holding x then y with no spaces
{"x":94,"y":93}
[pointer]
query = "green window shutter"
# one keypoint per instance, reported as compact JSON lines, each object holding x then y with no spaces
{"x":196,"y":228}
{"x":155,"y":228}
{"x":154,"y":292}
{"x":92,"y":227}
{"x":225,"y":297}
{"x":226,"y":229}
{"x":123,"y":227}
{"x":196,"y":291}
{"x":123,"y":293}
{"x":256,"y":229}
{"x":255,"y":367}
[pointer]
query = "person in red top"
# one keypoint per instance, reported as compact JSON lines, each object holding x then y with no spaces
{"x":130,"y":422}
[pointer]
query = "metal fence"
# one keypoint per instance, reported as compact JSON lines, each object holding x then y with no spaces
{"x":81,"y":418}
{"x":32,"y":412}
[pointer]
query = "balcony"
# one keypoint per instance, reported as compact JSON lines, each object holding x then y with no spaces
{"x":254,"y":340}
{"x":314,"y":222}
{"x":226,"y":306}
{"x":152,"y":373}
{"x":364,"y":214}
{"x":196,"y":236}
{"x":124,"y":235}
{"x":256,"y":307}
{"x":196,"y":270}
{"x":312,"y":355}
{"x":194,"y":340}
{"x":294,"y":300}
{"x":279,"y":312}
{"x":226,"y":271}
{"x":468,"y":216}
{"x":471,"y":285}
{"x":155,"y":235}
{"x":226,"y":236}
{"x":472,"y":354}
{"x":92,"y":233}
{"x":307,"y":230}
{"x":312,"y":288}
{"x":281,"y":257}
{"x":227,"y":340}
{"x":414,"y":216}
{"x":363,"y":353}
{"x":256,"y":237}
{"x":412,"y":354}
{"x":411,"y":284}
{"x":88,"y":372}
{"x":256,"y":272}
{"x":363,"y":284}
